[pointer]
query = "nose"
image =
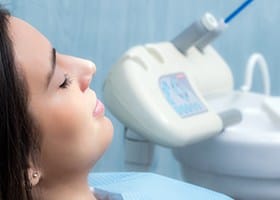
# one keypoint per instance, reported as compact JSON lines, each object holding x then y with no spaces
{"x":80,"y":69}
{"x":86,"y":69}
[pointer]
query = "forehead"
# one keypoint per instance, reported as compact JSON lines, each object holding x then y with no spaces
{"x":32,"y":52}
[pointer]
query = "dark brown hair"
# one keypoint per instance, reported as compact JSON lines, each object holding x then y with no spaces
{"x":17,"y":137}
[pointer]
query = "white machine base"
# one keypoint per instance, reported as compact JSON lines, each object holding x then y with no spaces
{"x":243,"y":161}
{"x":240,"y":188}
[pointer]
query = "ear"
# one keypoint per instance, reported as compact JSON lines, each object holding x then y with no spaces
{"x":34,"y":175}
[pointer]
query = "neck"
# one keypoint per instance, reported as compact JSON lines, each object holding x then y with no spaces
{"x":70,"y":188}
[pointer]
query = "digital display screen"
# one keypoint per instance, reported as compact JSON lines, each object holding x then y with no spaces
{"x":180,"y":95}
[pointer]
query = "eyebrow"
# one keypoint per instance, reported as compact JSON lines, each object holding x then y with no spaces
{"x":53,"y":64}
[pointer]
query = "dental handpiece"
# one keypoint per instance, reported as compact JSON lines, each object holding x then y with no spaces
{"x":204,"y":31}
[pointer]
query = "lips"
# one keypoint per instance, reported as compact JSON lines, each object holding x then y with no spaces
{"x":99,"y":109}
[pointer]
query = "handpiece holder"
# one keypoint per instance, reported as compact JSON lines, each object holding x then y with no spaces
{"x":204,"y":31}
{"x":199,"y":34}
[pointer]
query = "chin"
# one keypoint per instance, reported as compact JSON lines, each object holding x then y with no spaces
{"x":108,"y":129}
{"x":105,"y":137}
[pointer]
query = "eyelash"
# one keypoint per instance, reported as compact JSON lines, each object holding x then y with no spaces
{"x":67,"y":81}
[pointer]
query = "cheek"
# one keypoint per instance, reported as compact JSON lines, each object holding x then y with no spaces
{"x":61,"y":124}
{"x":72,"y":136}
{"x":63,"y":121}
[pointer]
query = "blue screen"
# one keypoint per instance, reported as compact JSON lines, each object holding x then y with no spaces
{"x":180,"y":95}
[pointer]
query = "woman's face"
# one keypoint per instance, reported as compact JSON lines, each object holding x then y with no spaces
{"x":71,"y":119}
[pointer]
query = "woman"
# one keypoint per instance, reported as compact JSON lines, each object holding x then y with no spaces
{"x":52,"y":126}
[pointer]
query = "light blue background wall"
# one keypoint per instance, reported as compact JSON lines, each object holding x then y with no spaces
{"x":102,"y":30}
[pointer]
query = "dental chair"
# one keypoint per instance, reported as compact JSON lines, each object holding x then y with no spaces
{"x":180,"y":94}
{"x":146,"y":186}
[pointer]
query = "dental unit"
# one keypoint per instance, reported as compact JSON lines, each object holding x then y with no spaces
{"x":180,"y":94}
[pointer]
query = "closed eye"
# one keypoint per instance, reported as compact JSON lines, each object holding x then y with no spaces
{"x":67,"y":81}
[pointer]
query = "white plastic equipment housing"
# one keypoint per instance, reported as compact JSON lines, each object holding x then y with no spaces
{"x":133,"y":95}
